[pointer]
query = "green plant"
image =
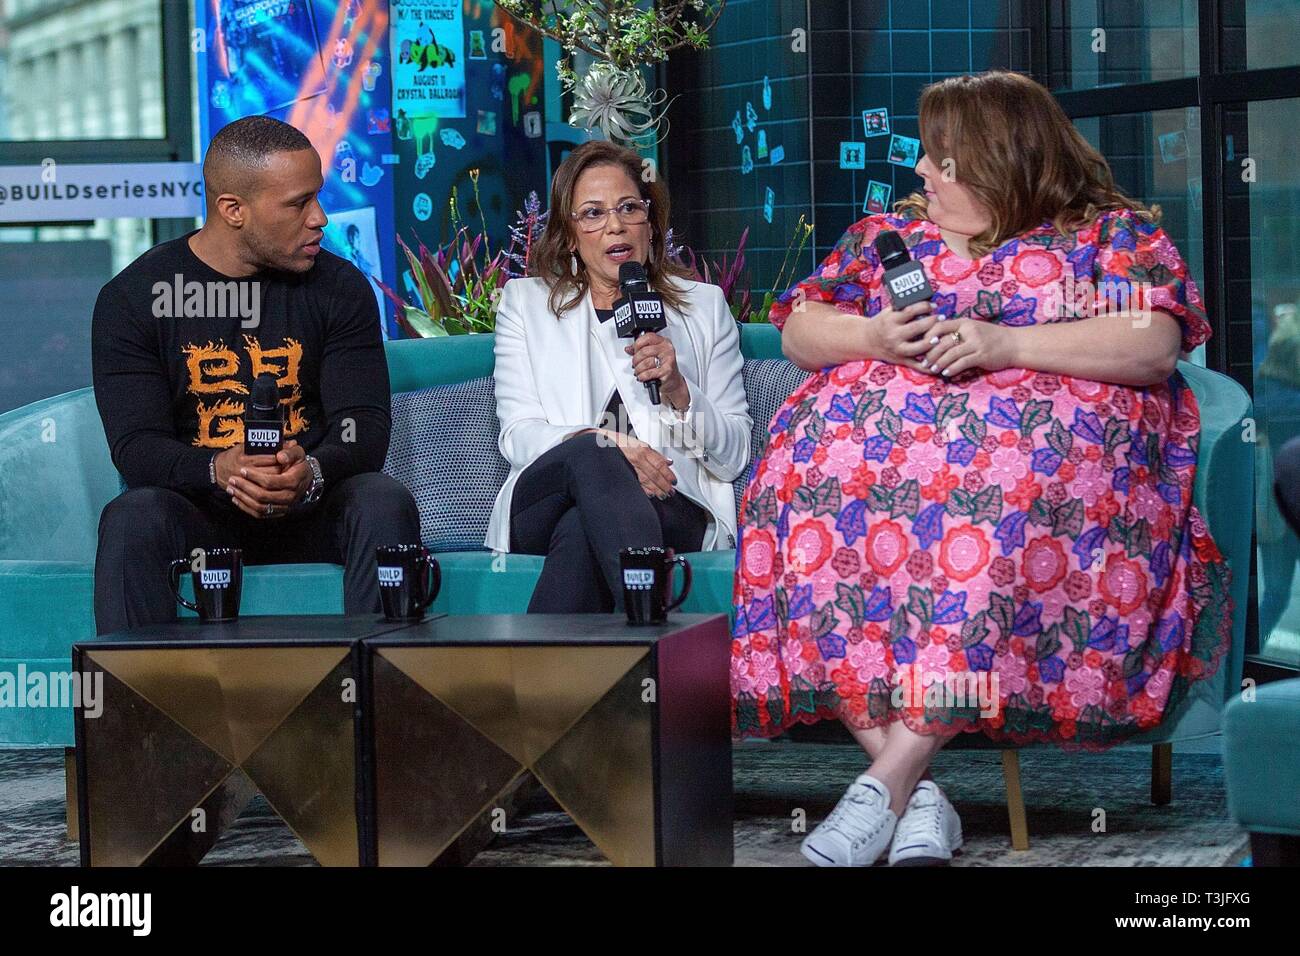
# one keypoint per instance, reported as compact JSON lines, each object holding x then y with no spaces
{"x":458,"y":284}
{"x":623,"y":32}
{"x":731,"y":277}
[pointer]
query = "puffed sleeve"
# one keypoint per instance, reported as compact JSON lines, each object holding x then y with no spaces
{"x":843,"y":277}
{"x":1141,"y":256}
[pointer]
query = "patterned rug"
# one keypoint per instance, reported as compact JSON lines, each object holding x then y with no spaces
{"x":773,"y":782}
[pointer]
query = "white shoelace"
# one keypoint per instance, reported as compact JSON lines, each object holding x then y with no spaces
{"x":848,"y":813}
{"x":921,"y":820}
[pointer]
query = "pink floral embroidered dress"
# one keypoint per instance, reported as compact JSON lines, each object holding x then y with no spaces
{"x":1036,"y":527}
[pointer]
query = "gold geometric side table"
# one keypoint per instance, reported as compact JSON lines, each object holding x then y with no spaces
{"x":628,"y":728}
{"x":197,"y":718}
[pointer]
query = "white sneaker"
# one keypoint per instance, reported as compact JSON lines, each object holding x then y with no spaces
{"x":857,"y":831}
{"x":929,"y":831}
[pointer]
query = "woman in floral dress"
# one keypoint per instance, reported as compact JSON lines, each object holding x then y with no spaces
{"x":989,"y":493}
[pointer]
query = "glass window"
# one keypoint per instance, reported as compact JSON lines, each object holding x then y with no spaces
{"x":1156,"y":159}
{"x":1258,"y":34}
{"x":55,"y":274}
{"x":1095,"y":43}
{"x":81,"y":69}
{"x":1262,"y":251}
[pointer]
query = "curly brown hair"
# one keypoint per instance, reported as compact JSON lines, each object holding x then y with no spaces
{"x":550,"y":259}
{"x":1015,"y":149}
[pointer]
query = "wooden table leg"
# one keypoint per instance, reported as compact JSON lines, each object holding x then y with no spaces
{"x":1015,"y":800}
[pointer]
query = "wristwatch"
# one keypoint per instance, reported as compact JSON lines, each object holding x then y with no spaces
{"x":317,"y":481}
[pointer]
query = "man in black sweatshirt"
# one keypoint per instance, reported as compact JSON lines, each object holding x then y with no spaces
{"x":178,"y":338}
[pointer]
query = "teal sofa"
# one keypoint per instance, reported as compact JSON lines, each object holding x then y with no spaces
{"x":56,"y":476}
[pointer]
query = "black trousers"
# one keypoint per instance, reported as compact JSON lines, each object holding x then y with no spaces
{"x":143,"y":530}
{"x":579,"y":504}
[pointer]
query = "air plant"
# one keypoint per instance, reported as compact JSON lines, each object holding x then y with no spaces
{"x":625,"y":37}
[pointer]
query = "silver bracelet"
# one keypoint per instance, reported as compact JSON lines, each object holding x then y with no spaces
{"x":212,"y":468}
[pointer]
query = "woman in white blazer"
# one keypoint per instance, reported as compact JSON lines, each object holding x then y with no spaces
{"x":595,"y":467}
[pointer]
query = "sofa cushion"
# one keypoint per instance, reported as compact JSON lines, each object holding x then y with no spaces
{"x":444,"y":448}
{"x":768,"y":383}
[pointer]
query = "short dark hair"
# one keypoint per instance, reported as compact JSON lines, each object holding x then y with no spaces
{"x":242,"y":148}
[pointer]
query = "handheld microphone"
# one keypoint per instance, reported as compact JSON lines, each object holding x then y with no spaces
{"x":264,"y":418}
{"x":640,"y":310}
{"x":904,"y":277}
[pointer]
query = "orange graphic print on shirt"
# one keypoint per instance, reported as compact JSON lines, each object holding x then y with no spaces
{"x":212,"y":371}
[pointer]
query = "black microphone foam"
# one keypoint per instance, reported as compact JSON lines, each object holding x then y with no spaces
{"x":891,"y":249}
{"x":632,"y":277}
{"x":266,"y":393}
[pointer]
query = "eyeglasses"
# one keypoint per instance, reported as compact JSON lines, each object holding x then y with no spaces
{"x":631,"y":212}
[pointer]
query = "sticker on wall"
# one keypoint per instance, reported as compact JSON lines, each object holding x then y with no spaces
{"x":220,"y":95}
{"x":487,"y":123}
{"x":452,"y":138}
{"x":875,"y":122}
{"x":422,"y":207}
{"x":767,"y":93}
{"x":853,"y":155}
{"x":370,"y":175}
{"x":762,"y":144}
{"x":498,"y":81}
{"x":746,"y":160}
{"x":402,"y":123}
{"x":533,"y":125}
{"x":1193,"y":121}
{"x":377,"y":122}
{"x":477,"y":48}
{"x":903,"y":150}
{"x":769,"y":203}
{"x":373,"y":72}
{"x":1194,"y":192}
{"x":518,"y":85}
{"x":778,"y":154}
{"x":423,"y":163}
{"x":751,"y":117}
{"x":877,"y":197}
{"x":1173,"y":146}
{"x":738,"y":128}
{"x":352,"y":235}
{"x":342,"y":53}
{"x":343,"y":155}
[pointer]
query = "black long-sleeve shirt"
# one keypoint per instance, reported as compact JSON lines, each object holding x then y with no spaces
{"x":171,"y":387}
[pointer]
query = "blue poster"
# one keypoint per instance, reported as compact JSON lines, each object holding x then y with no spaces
{"x":323,"y":67}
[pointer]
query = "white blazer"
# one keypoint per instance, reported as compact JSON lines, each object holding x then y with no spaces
{"x":544,"y":393}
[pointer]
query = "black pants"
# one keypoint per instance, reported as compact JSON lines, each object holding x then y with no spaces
{"x":143,"y":530}
{"x":581,"y":503}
